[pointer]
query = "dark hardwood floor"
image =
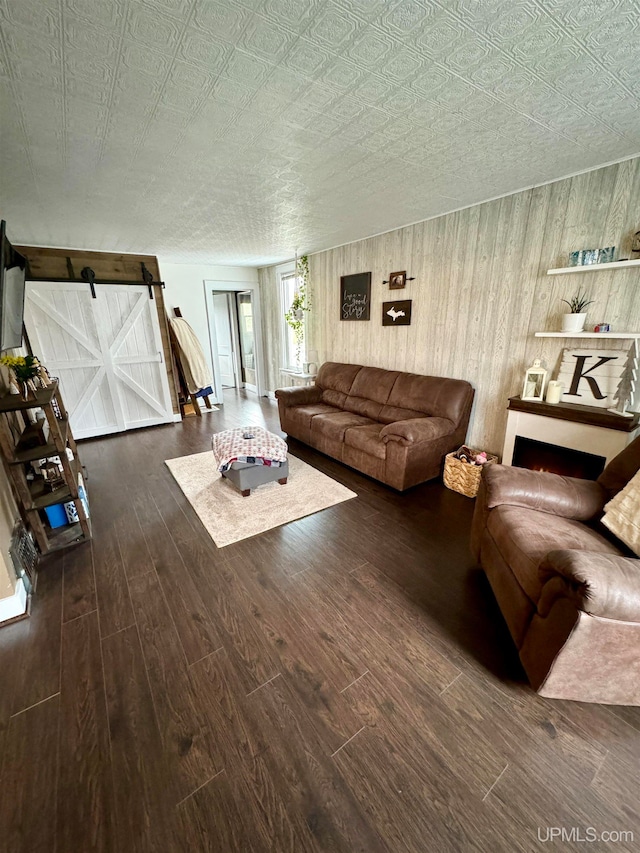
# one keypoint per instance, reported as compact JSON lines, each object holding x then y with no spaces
{"x":342,"y":683}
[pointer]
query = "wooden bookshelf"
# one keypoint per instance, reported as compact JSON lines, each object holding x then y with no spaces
{"x":32,"y":495}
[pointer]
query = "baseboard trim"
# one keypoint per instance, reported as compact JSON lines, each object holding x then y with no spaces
{"x":14,"y":605}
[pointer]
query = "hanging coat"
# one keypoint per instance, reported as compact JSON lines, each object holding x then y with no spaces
{"x":197,"y":372}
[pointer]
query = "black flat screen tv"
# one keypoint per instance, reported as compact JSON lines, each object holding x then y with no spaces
{"x":13,"y":268}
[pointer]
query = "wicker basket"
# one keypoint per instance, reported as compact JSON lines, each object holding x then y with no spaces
{"x":462,"y":477}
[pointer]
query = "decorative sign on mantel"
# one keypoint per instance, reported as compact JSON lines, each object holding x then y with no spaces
{"x":355,"y":296}
{"x":591,"y":377}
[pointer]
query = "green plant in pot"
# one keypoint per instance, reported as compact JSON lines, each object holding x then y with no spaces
{"x":301,"y":302}
{"x":573,"y":322}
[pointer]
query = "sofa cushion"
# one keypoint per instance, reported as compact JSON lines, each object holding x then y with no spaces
{"x":525,"y":536}
{"x":334,"y":376}
{"x":391,"y":414}
{"x":431,"y":395}
{"x":374,"y":383}
{"x":334,"y":398}
{"x":301,"y":416}
{"x":335,"y":380}
{"x":416,"y":429}
{"x":366,"y":438}
{"x":362,"y":406}
{"x":333,"y":426}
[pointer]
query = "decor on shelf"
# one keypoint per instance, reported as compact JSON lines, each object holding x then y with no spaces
{"x":574,"y":321}
{"x":635,"y":246}
{"x":602,"y":327}
{"x":52,"y":474}
{"x":310,"y":363}
{"x":396,"y":313}
{"x":554,"y":392}
{"x":586,"y":257}
{"x":534,"y":382}
{"x":591,"y":377}
{"x":626,"y":387}
{"x":25,"y":374}
{"x":355,"y":296}
{"x":301,"y":303}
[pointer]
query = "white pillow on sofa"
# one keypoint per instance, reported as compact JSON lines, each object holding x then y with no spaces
{"x":622,"y":514}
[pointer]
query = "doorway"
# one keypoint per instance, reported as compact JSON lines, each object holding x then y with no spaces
{"x":225,"y":325}
{"x":244,"y":308}
{"x":233,"y":338}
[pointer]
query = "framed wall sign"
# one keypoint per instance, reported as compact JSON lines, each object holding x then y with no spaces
{"x":396,"y":313}
{"x":355,"y":296}
{"x":397,"y":280}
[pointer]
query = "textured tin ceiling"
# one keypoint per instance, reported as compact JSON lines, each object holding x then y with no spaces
{"x":240,"y":130}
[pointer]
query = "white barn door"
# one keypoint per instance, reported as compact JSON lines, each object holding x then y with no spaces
{"x":107,"y":353}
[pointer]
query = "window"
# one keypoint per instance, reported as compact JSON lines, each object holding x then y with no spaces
{"x":290,"y":359}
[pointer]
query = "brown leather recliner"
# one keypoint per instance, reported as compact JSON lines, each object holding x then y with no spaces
{"x":568,"y":589}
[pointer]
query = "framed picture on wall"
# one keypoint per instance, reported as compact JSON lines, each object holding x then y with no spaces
{"x":396,"y":313}
{"x":355,"y":296}
{"x":397,"y":280}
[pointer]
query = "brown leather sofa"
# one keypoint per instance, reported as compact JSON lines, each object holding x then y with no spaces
{"x":568,"y":589}
{"x":395,"y":427}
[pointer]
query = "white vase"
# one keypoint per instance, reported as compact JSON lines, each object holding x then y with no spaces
{"x":573,"y":322}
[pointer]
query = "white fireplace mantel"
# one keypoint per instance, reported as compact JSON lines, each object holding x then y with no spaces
{"x":590,"y":431}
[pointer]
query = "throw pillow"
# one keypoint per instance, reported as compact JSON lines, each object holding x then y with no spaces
{"x":622,"y":514}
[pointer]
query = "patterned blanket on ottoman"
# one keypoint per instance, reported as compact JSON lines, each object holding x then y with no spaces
{"x":251,"y":444}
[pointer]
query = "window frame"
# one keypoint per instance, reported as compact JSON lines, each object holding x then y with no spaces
{"x":287,"y":344}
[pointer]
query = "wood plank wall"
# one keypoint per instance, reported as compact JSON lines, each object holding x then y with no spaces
{"x":480,"y":289}
{"x":67,"y":263}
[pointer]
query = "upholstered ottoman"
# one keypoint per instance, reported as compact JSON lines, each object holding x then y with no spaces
{"x":249,"y":457}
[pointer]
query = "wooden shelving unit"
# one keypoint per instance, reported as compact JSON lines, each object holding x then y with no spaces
{"x":613,"y":265}
{"x":33,"y":496}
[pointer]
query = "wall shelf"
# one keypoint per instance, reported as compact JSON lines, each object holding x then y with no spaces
{"x":611,"y":336}
{"x":613,"y":265}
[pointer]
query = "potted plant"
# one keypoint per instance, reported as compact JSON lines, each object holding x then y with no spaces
{"x":574,"y":321}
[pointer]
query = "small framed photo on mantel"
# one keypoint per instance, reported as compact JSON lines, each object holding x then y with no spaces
{"x":397,"y":280}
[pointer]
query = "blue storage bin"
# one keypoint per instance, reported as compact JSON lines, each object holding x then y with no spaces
{"x":56,"y":515}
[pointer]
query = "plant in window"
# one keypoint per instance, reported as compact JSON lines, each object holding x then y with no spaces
{"x":301,"y":302}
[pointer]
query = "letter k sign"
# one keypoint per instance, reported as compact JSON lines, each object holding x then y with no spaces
{"x":580,"y":373}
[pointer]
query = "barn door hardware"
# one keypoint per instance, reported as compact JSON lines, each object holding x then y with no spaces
{"x":88,"y":275}
{"x":147,"y":277}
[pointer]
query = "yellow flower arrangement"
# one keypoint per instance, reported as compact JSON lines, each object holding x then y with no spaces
{"x":24,"y":367}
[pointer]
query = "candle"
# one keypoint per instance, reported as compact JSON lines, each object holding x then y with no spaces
{"x":554,"y":391}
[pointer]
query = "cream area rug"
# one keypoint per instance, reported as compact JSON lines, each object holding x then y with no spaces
{"x":229,"y":517}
